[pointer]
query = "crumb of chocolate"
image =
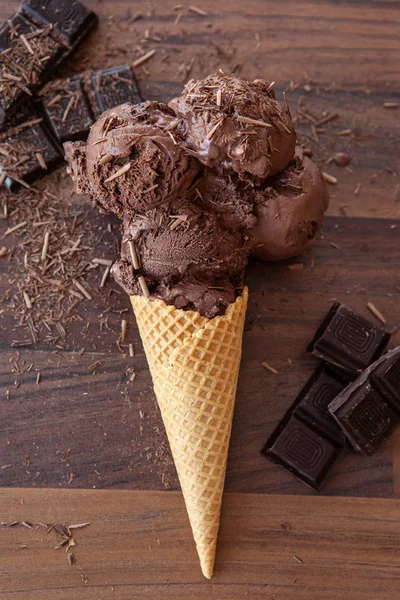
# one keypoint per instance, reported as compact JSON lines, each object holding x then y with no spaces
{"x":124,"y":329}
{"x":269,"y":368}
{"x":249,"y":121}
{"x":329,"y":178}
{"x":134,"y":256}
{"x":119,"y":173}
{"x":82,"y":289}
{"x":372,"y":308}
{"x":143,"y":58}
{"x":341,"y":159}
{"x":198,"y":11}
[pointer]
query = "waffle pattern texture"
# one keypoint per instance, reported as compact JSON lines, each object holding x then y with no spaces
{"x":194,"y":362}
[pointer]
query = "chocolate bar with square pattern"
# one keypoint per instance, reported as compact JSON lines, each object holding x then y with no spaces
{"x":11,"y":28}
{"x":303,"y":450}
{"x":70,"y":20}
{"x":311,"y":405}
{"x":29,"y":55}
{"x":385,"y":377}
{"x":308,"y":425}
{"x":25,"y":112}
{"x":369,"y":409}
{"x":348,"y":340}
{"x":28,"y":154}
{"x":67,"y":110}
{"x":111,"y":87}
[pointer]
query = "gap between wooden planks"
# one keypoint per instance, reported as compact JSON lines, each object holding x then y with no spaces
{"x":139,"y":545}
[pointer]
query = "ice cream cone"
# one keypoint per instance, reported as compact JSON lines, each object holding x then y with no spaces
{"x":194,"y":362}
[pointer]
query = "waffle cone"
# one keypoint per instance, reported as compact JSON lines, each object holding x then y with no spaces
{"x":194,"y":363}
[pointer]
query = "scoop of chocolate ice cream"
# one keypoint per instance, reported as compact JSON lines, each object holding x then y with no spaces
{"x":131,"y":161}
{"x":289,"y":210}
{"x":188,"y":259}
{"x":228,"y":197}
{"x":200,"y":186}
{"x":229,"y":123}
{"x":279,"y":215}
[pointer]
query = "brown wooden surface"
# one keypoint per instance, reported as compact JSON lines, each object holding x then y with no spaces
{"x":138,"y":545}
{"x":113,"y":427}
{"x":341,"y":57}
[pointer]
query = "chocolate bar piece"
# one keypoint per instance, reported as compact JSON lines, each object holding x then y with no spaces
{"x":303,"y":450}
{"x":25,"y":112}
{"x":70,"y":19}
{"x":12,"y":28}
{"x":110,"y":87}
{"x":312,"y":403}
{"x":34,"y":42}
{"x":385,"y":377}
{"x":348,"y":340}
{"x":314,"y":426}
{"x":26,"y":154}
{"x":369,"y":408}
{"x":30,"y":54}
{"x":67,"y":110}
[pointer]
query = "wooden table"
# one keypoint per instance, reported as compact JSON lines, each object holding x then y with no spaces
{"x":99,"y":436}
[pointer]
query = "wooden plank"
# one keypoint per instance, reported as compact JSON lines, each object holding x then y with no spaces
{"x":112,"y":425}
{"x":139,"y":545}
{"x":343,"y":58}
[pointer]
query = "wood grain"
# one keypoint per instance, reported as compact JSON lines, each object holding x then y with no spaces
{"x":112,"y":425}
{"x":139,"y":545}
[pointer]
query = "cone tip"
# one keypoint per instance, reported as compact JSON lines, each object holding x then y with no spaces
{"x":207,"y":562}
{"x":207,"y":571}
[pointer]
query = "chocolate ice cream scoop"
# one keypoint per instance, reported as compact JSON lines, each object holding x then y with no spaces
{"x":131,"y":161}
{"x":229,"y":123}
{"x":188,"y":259}
{"x":279,"y":216}
{"x":289,"y":210}
{"x":228,"y":197}
{"x":201,"y":185}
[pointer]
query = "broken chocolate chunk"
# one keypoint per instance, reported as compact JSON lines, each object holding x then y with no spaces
{"x":71,"y":20}
{"x":348,"y":340}
{"x":303,"y":450}
{"x":369,"y":408}
{"x":25,"y":63}
{"x":25,"y":112}
{"x":385,"y":377}
{"x":111,"y":87}
{"x":12,"y":29}
{"x":27,"y":153}
{"x":313,"y":401}
{"x":309,"y":427}
{"x":67,"y":110}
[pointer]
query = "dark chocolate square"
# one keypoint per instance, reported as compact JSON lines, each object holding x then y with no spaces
{"x":112,"y":87}
{"x":8,"y":30}
{"x":386,"y":379}
{"x":22,"y":162}
{"x":24,"y":112}
{"x":303,"y":451}
{"x":366,"y":417}
{"x":25,"y":63}
{"x":69,"y":117}
{"x":70,"y":18}
{"x":348,"y":340}
{"x":314,"y":399}
{"x":4,"y":37}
